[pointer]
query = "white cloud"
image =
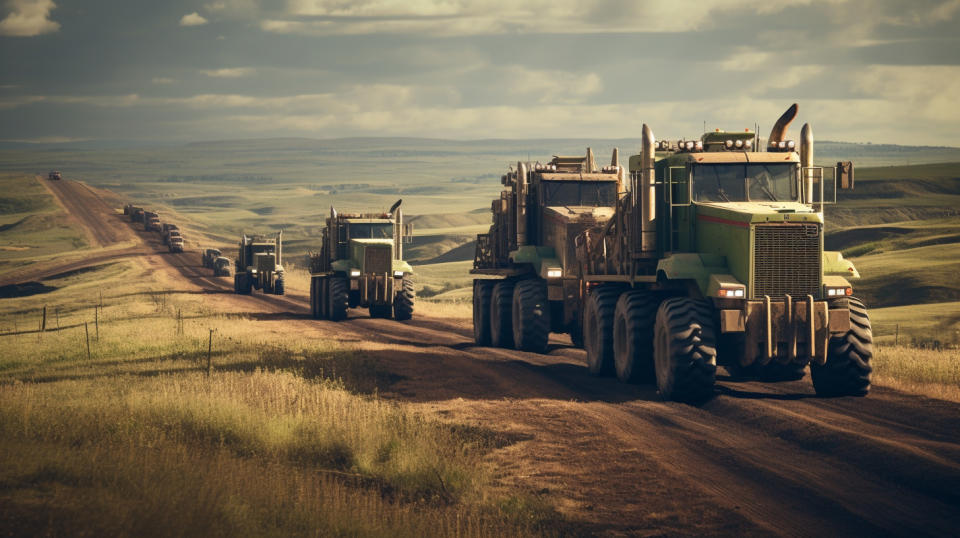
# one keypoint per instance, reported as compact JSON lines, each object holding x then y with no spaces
{"x":551,"y":86}
{"x":29,"y":18}
{"x":193,"y":19}
{"x":473,"y":17}
{"x":162,"y":80}
{"x":229,"y":72}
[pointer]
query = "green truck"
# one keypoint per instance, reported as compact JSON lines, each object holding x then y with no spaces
{"x":360,"y":264}
{"x":713,"y":255}
{"x":259,"y":264}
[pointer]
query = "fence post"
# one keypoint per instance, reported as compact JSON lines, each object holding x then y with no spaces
{"x":86,"y":330}
{"x":57,"y":310}
{"x":96,"y":320}
{"x":896,"y":338}
{"x":210,"y":354}
{"x":43,"y":319}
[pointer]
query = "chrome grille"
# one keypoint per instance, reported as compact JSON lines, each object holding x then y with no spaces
{"x":786,"y":260}
{"x":376,"y":259}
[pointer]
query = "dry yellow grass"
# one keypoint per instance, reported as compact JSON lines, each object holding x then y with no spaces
{"x":933,"y":373}
{"x":285,"y":437}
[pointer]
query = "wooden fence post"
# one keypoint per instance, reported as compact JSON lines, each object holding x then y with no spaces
{"x":43,"y":319}
{"x":86,"y":330}
{"x":210,"y":354}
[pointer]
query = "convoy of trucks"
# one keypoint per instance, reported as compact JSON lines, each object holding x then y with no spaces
{"x":702,"y":252}
{"x":698,"y":253}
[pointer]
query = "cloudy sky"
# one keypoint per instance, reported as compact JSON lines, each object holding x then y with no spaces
{"x":185,"y":70}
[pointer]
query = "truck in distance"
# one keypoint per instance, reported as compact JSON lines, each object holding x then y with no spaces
{"x":151,"y":221}
{"x":360,"y":264}
{"x":221,"y":266}
{"x":54,"y":175}
{"x":169,"y":230}
{"x":209,"y":255}
{"x":259,"y":264}
{"x":175,"y":244}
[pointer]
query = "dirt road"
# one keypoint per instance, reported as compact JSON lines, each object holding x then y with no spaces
{"x":759,"y":459}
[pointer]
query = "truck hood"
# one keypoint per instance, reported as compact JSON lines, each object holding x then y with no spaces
{"x":579,"y":214}
{"x":758,"y":212}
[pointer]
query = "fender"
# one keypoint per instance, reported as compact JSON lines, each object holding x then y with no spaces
{"x":539,"y":258}
{"x":835,"y":264}
{"x":693,"y":266}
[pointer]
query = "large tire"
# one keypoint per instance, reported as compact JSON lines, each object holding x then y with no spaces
{"x":482,"y":291}
{"x":338,"y":298}
{"x":598,"y":329}
{"x":847,"y":370}
{"x":316,"y":297}
{"x":634,"y":319}
{"x":501,"y":308}
{"x":403,"y":301}
{"x":685,"y":352}
{"x":278,"y":287}
{"x":531,"y":315}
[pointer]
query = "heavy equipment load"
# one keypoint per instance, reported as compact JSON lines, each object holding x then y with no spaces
{"x":209,"y":255}
{"x":530,"y":248}
{"x":259,"y":264}
{"x":360,"y":264}
{"x":221,"y":266}
{"x":127,"y":209}
{"x":168,"y":230}
{"x":151,"y":221}
{"x":715,"y":255}
{"x":136,"y":214}
{"x":175,"y":244}
{"x":55,"y":175}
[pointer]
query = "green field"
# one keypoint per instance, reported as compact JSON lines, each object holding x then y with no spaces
{"x":32,"y":226}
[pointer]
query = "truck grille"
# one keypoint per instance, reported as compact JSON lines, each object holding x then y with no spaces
{"x":376,"y":259}
{"x":786,"y":260}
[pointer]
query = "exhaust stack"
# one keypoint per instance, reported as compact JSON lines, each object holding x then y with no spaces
{"x":779,"y":131}
{"x":648,"y":197}
{"x":521,"y":190}
{"x":806,"y":161}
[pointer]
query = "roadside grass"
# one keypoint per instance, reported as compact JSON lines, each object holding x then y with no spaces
{"x":933,"y":373}
{"x":920,"y":325}
{"x":285,"y":436}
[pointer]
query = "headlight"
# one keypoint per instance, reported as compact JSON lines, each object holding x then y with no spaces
{"x":739,"y":143}
{"x":791,"y":144}
{"x":398,"y":274}
{"x":554,"y":273}
{"x":354,"y":272}
{"x":731,"y":293}
{"x":689,"y":145}
{"x":748,"y":144}
{"x":728,"y":144}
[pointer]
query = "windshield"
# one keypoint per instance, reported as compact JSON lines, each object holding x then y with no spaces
{"x":379,"y":230}
{"x":745,"y":182}
{"x":572,"y":193}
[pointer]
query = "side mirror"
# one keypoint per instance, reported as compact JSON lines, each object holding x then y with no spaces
{"x":845,"y":175}
{"x":408,"y":233}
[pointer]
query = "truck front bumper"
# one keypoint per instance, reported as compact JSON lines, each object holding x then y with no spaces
{"x":375,"y":289}
{"x":785,"y":329}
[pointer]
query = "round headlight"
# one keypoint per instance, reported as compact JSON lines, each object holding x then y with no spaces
{"x":781,"y":144}
{"x":748,"y":144}
{"x":728,"y":144}
{"x":739,"y":143}
{"x":699,"y":145}
{"x":791,"y":144}
{"x":689,"y":145}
